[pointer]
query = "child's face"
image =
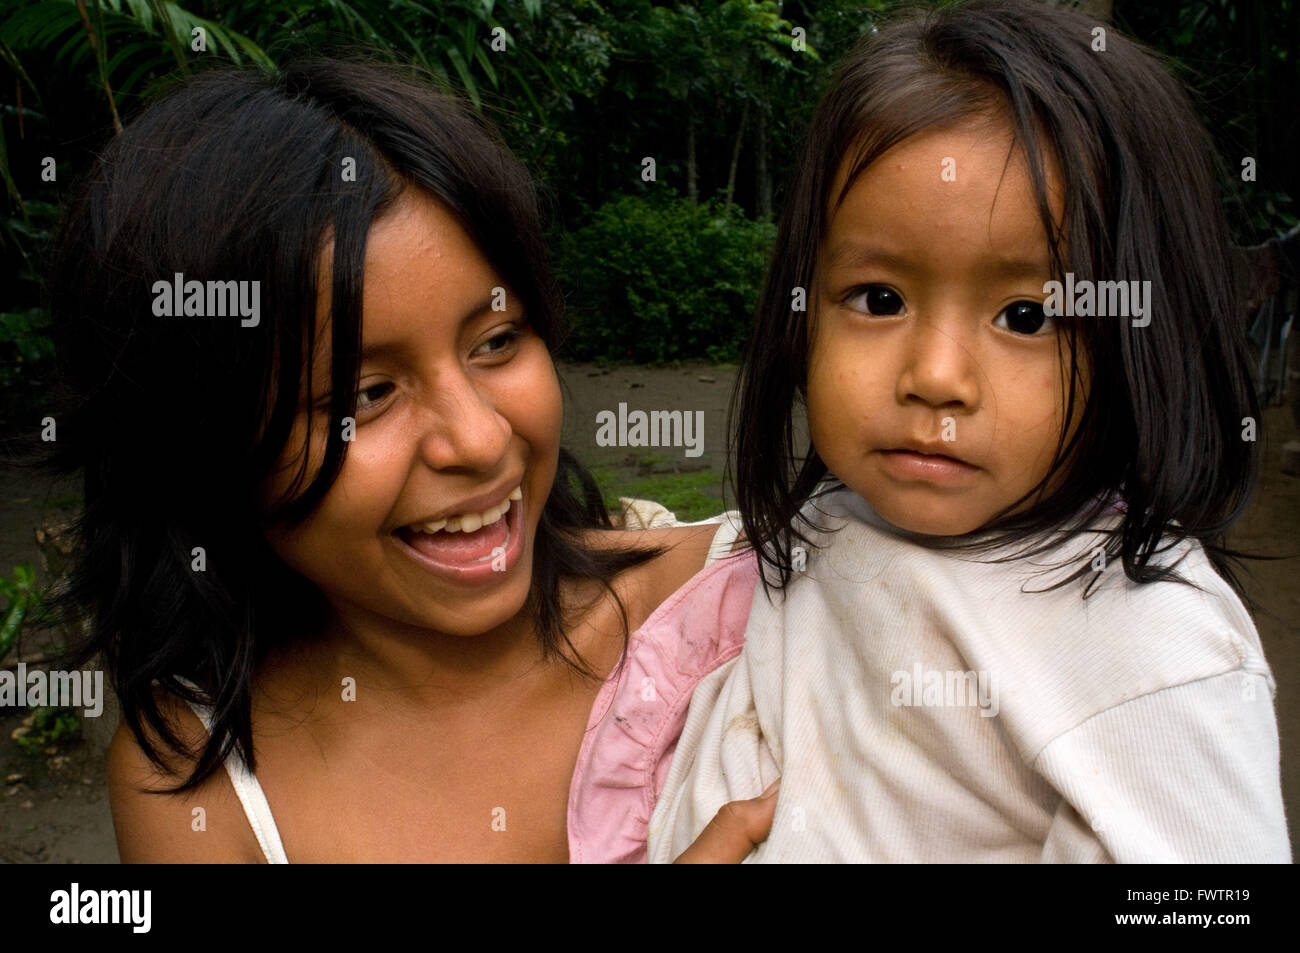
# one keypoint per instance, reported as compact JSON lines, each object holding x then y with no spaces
{"x":453,"y":415}
{"x":936,"y":387}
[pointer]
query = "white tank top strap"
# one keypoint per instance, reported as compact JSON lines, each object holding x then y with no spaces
{"x":251,"y":795}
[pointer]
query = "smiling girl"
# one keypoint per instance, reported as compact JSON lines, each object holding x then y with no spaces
{"x":357,"y":602}
{"x":1004,"y":629}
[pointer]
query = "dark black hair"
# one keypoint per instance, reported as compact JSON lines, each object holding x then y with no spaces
{"x":176,"y":424}
{"x":1162,"y":423}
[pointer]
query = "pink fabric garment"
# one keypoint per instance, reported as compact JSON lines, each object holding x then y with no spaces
{"x":640,"y":710}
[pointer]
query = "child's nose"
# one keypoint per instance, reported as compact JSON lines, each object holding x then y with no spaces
{"x":939,"y":368}
{"x":464,"y":429}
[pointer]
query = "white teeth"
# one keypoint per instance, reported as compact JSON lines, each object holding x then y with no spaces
{"x":472,"y":522}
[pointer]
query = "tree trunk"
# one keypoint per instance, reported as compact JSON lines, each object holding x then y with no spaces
{"x":762,"y":171}
{"x":692,"y":175}
{"x":1285,"y":80}
{"x":735,"y":152}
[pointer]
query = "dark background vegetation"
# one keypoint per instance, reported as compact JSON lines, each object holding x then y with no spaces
{"x":712,"y":90}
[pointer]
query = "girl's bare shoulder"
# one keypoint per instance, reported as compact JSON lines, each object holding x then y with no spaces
{"x":685,"y":549}
{"x":203,"y":825}
{"x":687,"y":545}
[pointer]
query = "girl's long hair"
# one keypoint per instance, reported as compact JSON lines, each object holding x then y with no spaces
{"x":1165,"y":423}
{"x":176,"y":422}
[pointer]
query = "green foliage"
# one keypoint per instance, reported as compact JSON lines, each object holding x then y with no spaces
{"x":23,"y":342}
{"x":554,"y":63}
{"x":660,"y":280}
{"x":711,"y":49}
{"x":690,"y":496}
{"x":835,"y":25}
{"x":1240,"y":61}
{"x":49,"y":727}
{"x":25,"y":345}
{"x":22,"y":605}
{"x":582,"y":91}
{"x":119,"y":42}
{"x":123,"y":43}
{"x":72,"y":70}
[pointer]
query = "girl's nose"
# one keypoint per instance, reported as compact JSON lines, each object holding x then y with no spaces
{"x":939,"y":368}
{"x":464,"y":429}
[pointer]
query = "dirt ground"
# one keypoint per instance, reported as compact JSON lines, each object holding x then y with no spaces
{"x":53,"y":805}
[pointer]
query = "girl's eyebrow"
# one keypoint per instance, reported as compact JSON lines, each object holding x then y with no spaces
{"x":388,"y":347}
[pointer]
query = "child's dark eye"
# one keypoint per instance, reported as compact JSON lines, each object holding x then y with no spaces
{"x":1024,"y":317}
{"x":876,"y":299}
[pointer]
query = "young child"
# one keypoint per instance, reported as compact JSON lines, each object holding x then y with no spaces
{"x":1003,"y":630}
{"x":330,"y":542}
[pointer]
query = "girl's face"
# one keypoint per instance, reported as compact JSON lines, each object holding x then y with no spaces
{"x":458,"y":412}
{"x":936,"y":385}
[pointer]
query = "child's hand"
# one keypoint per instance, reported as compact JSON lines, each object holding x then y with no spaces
{"x":735,"y":830}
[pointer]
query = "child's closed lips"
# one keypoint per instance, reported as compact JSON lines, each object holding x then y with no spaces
{"x":926,"y":460}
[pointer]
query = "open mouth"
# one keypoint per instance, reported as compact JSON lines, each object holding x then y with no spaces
{"x":467,"y":539}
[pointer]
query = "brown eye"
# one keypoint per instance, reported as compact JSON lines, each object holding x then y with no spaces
{"x":368,"y":397}
{"x":501,"y":343}
{"x":879,"y":300}
{"x":1024,"y":317}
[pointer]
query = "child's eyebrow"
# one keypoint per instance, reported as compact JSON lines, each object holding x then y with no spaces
{"x":856,"y":255}
{"x":849,"y":254}
{"x":385,"y":347}
{"x":1014,"y":268}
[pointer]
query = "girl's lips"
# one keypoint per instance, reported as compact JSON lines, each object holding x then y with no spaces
{"x":909,"y":465}
{"x":438,"y":553}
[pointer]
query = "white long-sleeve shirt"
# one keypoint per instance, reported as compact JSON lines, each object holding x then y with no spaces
{"x":921,"y":706}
